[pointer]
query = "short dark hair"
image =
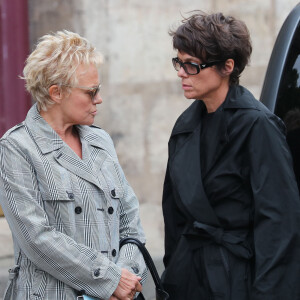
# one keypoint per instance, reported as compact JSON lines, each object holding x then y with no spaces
{"x":214,"y":37}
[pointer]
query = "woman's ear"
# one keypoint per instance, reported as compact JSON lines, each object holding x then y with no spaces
{"x":229,"y":66}
{"x":55,"y":93}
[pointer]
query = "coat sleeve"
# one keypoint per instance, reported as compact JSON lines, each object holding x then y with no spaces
{"x":276,"y":212}
{"x":79,"y":266}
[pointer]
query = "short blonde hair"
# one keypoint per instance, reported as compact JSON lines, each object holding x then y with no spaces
{"x":54,"y":61}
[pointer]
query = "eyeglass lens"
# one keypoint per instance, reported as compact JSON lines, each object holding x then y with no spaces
{"x":95,"y":92}
{"x":188,"y":67}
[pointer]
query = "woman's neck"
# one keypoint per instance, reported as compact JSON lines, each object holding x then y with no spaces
{"x":67,"y":132}
{"x":214,"y":102}
{"x":53,"y":117}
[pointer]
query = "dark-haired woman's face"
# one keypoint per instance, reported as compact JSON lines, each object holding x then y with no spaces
{"x":208,"y":85}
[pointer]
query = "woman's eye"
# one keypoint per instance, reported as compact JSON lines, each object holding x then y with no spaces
{"x":91,"y":94}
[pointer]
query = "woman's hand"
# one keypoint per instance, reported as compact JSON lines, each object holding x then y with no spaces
{"x":129,"y":284}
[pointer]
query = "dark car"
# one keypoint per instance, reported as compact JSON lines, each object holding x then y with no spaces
{"x":281,"y":88}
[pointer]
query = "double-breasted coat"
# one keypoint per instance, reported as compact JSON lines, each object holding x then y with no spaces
{"x":231,"y":228}
{"x":67,"y":215}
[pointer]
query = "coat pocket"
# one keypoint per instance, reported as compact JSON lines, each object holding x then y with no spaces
{"x":61,"y":212}
{"x":59,"y":186}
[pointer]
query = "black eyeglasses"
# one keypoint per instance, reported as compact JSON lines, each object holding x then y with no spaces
{"x":191,"y":68}
{"x":92,"y":91}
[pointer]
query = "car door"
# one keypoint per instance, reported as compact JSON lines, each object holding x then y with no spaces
{"x":283,"y":71}
{"x":281,"y":88}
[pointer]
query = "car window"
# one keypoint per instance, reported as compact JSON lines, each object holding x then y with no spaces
{"x":288,"y":101}
{"x":281,"y":88}
{"x":289,"y":90}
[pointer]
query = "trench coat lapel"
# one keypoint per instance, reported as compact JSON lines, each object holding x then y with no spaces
{"x":48,"y":141}
{"x":185,"y":151}
{"x":69,"y":160}
{"x":185,"y":168}
{"x":237,"y":98}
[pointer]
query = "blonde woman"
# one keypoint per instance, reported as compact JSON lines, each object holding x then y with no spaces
{"x":62,"y":188}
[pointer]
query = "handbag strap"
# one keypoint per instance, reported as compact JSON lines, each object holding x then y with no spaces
{"x":147,"y":257}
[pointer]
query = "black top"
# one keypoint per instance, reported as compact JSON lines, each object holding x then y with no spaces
{"x":208,"y":137}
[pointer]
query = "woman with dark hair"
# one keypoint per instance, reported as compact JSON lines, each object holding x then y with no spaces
{"x":230,"y":202}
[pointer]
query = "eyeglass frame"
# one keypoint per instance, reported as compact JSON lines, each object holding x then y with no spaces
{"x":199,"y":67}
{"x":95,"y":90}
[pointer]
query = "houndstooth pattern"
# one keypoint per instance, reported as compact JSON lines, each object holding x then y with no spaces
{"x":67,"y":214}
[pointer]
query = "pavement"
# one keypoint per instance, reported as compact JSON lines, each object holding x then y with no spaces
{"x":7,"y":260}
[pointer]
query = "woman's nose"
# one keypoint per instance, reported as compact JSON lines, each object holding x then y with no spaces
{"x":97,"y":99}
{"x":181,"y":72}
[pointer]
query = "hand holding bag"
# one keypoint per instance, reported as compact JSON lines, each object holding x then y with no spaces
{"x":161,"y":294}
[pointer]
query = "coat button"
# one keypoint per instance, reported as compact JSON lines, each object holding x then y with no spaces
{"x":97,"y":272}
{"x":135,"y":270}
{"x":113,"y":192}
{"x":114,"y":252}
{"x":70,"y":195}
{"x":110,"y":210}
{"x":78,"y":210}
{"x":37,"y":295}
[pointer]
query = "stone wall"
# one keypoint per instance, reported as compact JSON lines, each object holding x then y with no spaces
{"x":142,"y":96}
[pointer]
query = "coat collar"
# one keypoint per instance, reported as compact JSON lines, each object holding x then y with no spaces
{"x":237,"y":97}
{"x":48,"y":140}
{"x":185,"y":142}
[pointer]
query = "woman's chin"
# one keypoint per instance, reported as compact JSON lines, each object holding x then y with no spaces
{"x":188,"y":95}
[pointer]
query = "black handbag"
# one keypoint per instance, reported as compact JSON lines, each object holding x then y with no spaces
{"x":161,"y":294}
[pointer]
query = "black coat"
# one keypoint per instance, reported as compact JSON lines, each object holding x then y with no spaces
{"x":233,"y":231}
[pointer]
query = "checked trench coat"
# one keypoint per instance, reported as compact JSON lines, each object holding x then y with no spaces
{"x":67,"y":215}
{"x":232,"y":229}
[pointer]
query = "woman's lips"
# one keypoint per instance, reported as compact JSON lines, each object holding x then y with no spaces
{"x":186,"y":87}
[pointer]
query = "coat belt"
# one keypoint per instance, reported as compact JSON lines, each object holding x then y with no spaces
{"x":235,"y":242}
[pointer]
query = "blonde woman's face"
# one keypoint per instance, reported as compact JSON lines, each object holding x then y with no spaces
{"x":79,"y":107}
